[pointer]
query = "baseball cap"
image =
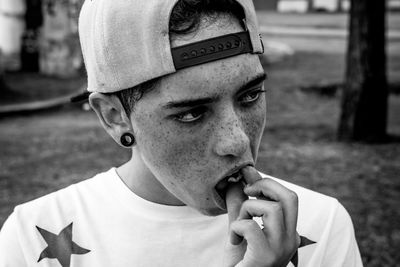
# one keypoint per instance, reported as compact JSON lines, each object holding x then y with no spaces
{"x":126,"y":42}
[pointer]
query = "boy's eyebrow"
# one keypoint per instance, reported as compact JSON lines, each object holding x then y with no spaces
{"x":253,"y":82}
{"x":191,"y":102}
{"x":207,"y":100}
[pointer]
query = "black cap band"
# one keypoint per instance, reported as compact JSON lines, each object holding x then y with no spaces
{"x":211,"y":49}
{"x":202,"y":52}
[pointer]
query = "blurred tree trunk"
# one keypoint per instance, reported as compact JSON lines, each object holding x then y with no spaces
{"x":30,"y":39}
{"x":340,"y":6}
{"x":2,"y":83}
{"x":365,"y":93}
{"x":310,"y":5}
{"x":266,"y":5}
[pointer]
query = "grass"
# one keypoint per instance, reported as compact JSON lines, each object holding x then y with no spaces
{"x":300,"y":147}
{"x":50,"y":150}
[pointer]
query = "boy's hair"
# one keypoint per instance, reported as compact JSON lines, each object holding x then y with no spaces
{"x":185,"y":18}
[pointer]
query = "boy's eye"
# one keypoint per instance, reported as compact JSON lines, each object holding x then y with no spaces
{"x":251,"y":96}
{"x":191,"y":115}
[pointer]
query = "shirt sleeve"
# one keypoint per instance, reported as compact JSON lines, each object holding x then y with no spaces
{"x":11,"y":254}
{"x":342,"y":249}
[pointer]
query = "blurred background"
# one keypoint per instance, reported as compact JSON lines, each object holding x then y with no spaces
{"x":333,"y":122}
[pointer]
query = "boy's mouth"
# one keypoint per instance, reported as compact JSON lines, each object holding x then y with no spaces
{"x":223,"y":185}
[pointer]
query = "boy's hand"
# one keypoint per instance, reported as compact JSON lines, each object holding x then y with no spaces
{"x":276,"y":243}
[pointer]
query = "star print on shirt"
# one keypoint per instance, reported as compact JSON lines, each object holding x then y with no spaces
{"x":60,"y":246}
{"x":304,"y":241}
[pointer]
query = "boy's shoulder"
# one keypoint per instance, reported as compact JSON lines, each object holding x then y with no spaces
{"x":306,"y":196}
{"x":325,"y":227}
{"x":54,"y":216}
{"x":318,"y":214}
{"x":67,"y":200}
{"x":97,"y":190}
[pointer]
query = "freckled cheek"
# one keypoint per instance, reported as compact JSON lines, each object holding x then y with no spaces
{"x":255,"y":123}
{"x":184,"y":155}
{"x":173,"y":153}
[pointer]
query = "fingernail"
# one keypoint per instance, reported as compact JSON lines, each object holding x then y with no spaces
{"x":250,"y":174}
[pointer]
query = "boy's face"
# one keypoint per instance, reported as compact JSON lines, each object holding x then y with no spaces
{"x":200,"y":123}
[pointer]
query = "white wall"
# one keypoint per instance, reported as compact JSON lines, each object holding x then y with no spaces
{"x":302,"y":5}
{"x":329,"y":5}
{"x":12,"y":25}
{"x":293,"y":6}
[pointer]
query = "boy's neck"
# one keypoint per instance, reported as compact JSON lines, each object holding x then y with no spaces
{"x":141,"y":181}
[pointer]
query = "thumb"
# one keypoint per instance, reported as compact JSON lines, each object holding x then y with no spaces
{"x":234,"y":199}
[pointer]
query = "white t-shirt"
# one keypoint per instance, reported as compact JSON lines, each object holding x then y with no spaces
{"x":100,"y":222}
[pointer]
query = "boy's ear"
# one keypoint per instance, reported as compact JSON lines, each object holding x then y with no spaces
{"x":111,"y":114}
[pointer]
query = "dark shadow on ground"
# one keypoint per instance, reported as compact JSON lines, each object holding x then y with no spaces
{"x":25,"y":87}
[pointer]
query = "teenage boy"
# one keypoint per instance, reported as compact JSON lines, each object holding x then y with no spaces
{"x":181,"y":85}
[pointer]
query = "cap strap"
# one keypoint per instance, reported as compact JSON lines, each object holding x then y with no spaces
{"x":211,"y":49}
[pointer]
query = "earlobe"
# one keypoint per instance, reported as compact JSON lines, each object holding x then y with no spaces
{"x":111,"y":114}
{"x":127,"y":140}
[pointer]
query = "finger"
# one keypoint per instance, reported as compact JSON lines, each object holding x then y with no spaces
{"x":234,"y":199}
{"x":277,"y":192}
{"x":252,"y":232}
{"x":294,"y":256}
{"x":250,"y":174}
{"x":271,"y":214}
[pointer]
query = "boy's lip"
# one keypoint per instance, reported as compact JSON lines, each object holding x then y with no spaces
{"x":219,"y":200}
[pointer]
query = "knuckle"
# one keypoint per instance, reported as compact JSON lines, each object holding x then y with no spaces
{"x":251,"y":224}
{"x":276,"y":207}
{"x":234,"y":226}
{"x":245,"y":206}
{"x":250,"y":203}
{"x":293,"y":197}
{"x":265,"y":181}
{"x":292,"y":246}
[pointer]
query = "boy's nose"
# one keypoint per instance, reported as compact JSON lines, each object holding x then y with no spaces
{"x":231,"y":139}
